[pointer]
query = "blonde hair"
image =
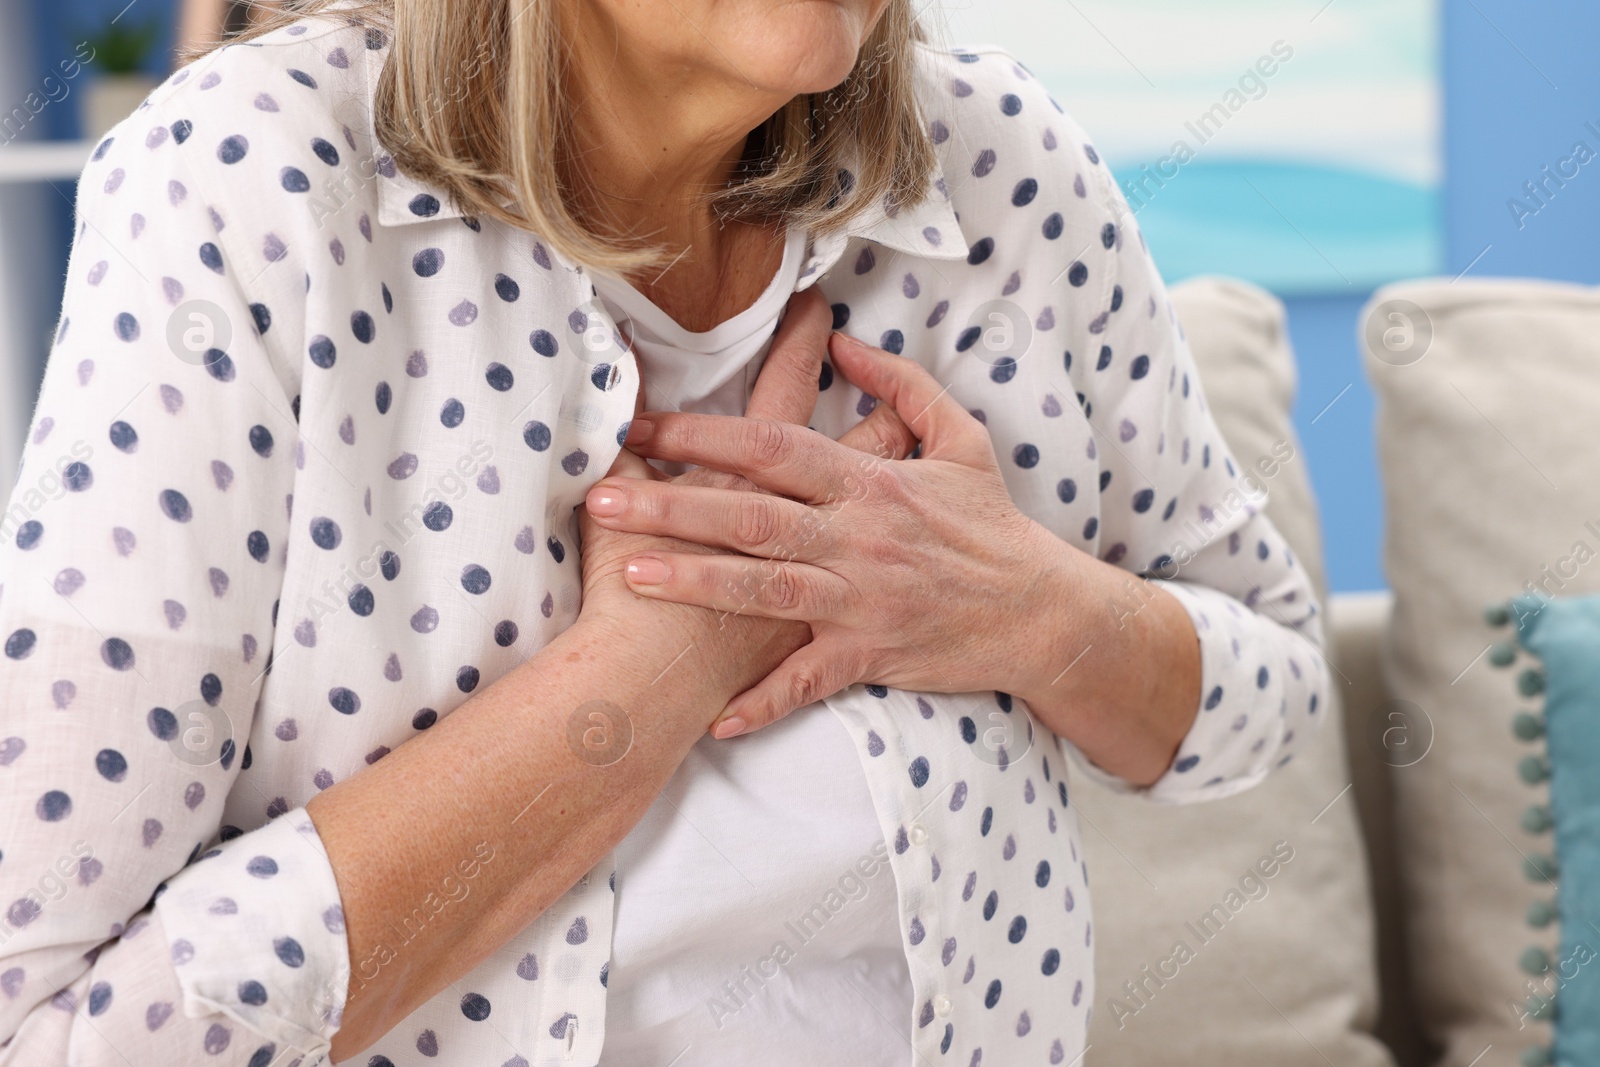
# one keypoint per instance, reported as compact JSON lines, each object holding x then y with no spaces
{"x":471,"y":100}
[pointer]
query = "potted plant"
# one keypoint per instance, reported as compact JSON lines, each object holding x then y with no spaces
{"x":118,"y":83}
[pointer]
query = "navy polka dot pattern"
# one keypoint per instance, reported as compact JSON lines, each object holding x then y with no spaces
{"x":367,"y":479}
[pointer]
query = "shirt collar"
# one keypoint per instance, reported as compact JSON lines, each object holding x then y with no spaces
{"x":929,"y":230}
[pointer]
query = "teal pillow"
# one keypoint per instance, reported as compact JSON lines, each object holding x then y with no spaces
{"x":1564,"y":636}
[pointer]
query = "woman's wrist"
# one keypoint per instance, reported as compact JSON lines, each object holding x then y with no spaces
{"x":1059,"y":626}
{"x":1110,"y":661}
{"x":696,"y":658}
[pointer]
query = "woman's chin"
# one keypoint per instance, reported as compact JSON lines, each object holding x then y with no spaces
{"x":808,"y":48}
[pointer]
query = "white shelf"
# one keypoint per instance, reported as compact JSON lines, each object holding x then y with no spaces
{"x":39,"y":161}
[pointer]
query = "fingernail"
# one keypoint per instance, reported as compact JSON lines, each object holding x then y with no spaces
{"x":639,"y":431}
{"x":606,"y":502}
{"x":729,"y":727}
{"x":647,"y":570}
{"x":851,"y":341}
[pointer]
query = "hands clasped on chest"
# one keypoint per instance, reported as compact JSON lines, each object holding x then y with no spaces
{"x":918,"y":574}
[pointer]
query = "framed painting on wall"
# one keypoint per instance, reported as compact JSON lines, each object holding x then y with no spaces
{"x":1294,"y":144}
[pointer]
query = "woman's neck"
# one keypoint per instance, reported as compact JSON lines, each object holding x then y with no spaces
{"x":650,"y":144}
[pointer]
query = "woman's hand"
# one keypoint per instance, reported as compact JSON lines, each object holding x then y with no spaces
{"x":785,"y":393}
{"x":917,"y":574}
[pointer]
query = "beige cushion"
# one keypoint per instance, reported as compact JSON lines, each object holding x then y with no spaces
{"x":1357,"y":639}
{"x":1488,"y":454}
{"x":1289,"y":979}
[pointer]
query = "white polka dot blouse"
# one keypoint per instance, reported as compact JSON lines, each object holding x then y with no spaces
{"x":302,"y":413}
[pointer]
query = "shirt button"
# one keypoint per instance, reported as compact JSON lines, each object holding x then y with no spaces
{"x":941,"y":1005}
{"x":919,"y":836}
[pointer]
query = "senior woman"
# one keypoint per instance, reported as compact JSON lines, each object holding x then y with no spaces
{"x":324,"y":740}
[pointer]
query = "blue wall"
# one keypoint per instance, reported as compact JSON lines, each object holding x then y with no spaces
{"x":1521,"y":78}
{"x":1333,"y":415}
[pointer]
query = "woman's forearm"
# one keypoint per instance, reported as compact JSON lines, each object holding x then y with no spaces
{"x":509,"y":771}
{"x":1111,"y":662}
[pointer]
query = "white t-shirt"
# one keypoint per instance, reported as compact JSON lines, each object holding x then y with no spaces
{"x":755,"y":906}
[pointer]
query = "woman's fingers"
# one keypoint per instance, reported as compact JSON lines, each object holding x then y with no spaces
{"x":778,"y":456}
{"x":809,"y":674}
{"x":628,"y":465}
{"x":739,"y":585}
{"x":803,"y":464}
{"x":786,"y":390}
{"x":945,"y":428}
{"x":883,"y":434}
{"x":738,"y":519}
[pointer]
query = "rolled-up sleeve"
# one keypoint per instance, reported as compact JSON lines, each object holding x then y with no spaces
{"x":142,"y":560}
{"x":1178,"y":509}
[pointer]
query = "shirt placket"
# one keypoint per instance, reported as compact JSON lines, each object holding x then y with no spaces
{"x":821,"y":254}
{"x":569,"y":1009}
{"x":886,"y":732}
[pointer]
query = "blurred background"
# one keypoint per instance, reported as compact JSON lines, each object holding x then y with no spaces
{"x":1316,"y":147}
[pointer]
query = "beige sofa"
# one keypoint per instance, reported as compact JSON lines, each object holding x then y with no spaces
{"x":1393,"y":933}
